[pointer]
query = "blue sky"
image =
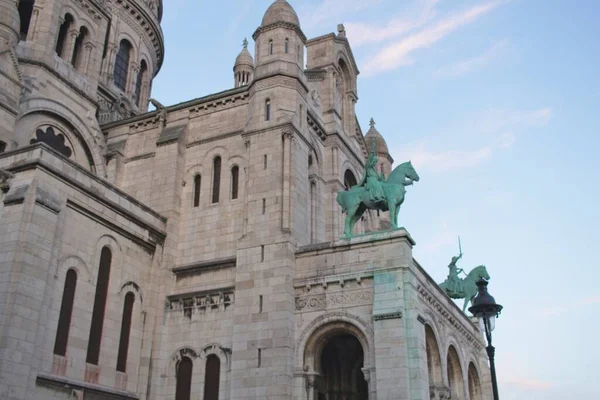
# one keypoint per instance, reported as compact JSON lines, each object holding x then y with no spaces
{"x":497,"y":103}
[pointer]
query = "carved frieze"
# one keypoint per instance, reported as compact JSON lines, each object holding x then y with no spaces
{"x":219,"y":104}
{"x":333,"y":300}
{"x":189,"y":304}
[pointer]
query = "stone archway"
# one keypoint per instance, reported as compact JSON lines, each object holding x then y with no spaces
{"x":340,"y":374}
{"x":336,"y":363}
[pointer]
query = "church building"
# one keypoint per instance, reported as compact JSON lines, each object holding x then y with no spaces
{"x":197,"y":251}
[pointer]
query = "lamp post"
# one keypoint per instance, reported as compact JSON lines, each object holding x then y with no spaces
{"x":486,"y":310}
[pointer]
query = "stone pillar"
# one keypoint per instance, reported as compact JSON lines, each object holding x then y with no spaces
{"x":87,"y":58}
{"x":70,"y":47}
{"x":286,"y":165}
{"x":31,"y":215}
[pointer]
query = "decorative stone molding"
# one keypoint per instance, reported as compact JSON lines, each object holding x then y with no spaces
{"x":219,"y":104}
{"x":219,"y":299}
{"x":325,"y":301}
{"x":280,"y":24}
{"x":47,"y":200}
{"x":447,"y":316}
{"x":391,"y":315}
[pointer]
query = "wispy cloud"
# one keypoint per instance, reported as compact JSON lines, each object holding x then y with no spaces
{"x":399,"y":53}
{"x":492,"y":54}
{"x":499,"y":129}
{"x":529,"y":384}
{"x":444,"y":237}
{"x":572,"y":306}
{"x":332,"y":10}
{"x":361,"y":33}
{"x":424,"y":158}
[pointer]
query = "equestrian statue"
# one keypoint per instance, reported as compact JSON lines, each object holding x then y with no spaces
{"x":459,"y":288}
{"x":375,"y":192}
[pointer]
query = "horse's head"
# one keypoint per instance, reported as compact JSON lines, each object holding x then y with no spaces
{"x":481,"y":272}
{"x":410,"y":172}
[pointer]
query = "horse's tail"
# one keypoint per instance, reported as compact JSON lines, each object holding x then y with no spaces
{"x":341,"y":200}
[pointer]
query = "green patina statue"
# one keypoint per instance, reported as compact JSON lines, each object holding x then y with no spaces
{"x":376,"y":193}
{"x":457,"y":288}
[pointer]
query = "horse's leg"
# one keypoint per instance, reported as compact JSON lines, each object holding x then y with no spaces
{"x":356,"y":216}
{"x":393,"y":214}
{"x":349,"y":223}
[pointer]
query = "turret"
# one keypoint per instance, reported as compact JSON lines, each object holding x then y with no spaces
{"x":243,"y":70}
{"x":9,"y":22}
{"x":279,"y":42}
{"x":374,"y":139}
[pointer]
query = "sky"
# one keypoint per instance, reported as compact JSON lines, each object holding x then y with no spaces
{"x":497,"y":104}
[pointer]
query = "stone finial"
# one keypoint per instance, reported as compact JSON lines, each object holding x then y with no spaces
{"x":341,"y":30}
{"x":245,"y":43}
{"x":372,"y":123}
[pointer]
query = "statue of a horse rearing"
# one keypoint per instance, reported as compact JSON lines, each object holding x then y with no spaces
{"x":357,"y":200}
{"x":469,"y":285}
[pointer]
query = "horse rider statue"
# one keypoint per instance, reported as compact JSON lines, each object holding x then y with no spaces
{"x":372,"y":180}
{"x":454,"y":283}
{"x":376,"y":192}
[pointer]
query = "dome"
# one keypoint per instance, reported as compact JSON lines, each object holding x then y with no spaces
{"x":10,"y":24}
{"x":244,"y":58}
{"x":373,"y":134}
{"x":280,"y":11}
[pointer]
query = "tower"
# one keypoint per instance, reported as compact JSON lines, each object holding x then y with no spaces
{"x":10,"y":78}
{"x":243,"y":70}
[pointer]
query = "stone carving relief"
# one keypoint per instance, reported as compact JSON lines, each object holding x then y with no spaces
{"x":201,"y":302}
{"x":315,"y":96}
{"x":325,"y":301}
{"x":53,"y":138}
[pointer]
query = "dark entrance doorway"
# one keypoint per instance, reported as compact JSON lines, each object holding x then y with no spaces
{"x":341,"y":370}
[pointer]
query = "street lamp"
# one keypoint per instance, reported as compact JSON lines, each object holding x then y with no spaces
{"x":486,"y":310}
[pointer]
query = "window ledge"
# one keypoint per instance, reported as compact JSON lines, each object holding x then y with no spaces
{"x":86,"y":386}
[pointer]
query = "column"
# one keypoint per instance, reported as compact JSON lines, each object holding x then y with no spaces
{"x":287,"y":162}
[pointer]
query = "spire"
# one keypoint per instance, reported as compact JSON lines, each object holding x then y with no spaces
{"x":245,"y":43}
{"x":372,"y":123}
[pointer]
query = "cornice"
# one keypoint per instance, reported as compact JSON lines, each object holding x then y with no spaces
{"x":286,"y":25}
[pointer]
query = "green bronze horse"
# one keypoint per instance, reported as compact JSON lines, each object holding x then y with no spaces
{"x":357,"y":199}
{"x":469,"y":286}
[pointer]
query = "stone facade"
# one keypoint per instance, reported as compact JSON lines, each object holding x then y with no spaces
{"x":194,"y":251}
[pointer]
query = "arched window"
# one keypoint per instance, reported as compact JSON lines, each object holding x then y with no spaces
{"x":349,"y":179}
{"x":25,"y":12}
{"x":287,"y":45}
{"x":474,"y":383}
{"x":138,"y":82}
{"x":211,"y":378}
{"x":184,"y":379}
{"x":197,"y":182}
{"x":63,"y":36}
{"x":66,"y":310}
{"x":122,"y":64}
{"x":78,"y":56}
{"x":235,"y":177}
{"x":216,"y":179}
{"x":268,"y":110}
{"x":2,"y":146}
{"x":125,"y":332}
{"x":455,"y":377}
{"x":93,"y":351}
{"x":271,"y":47}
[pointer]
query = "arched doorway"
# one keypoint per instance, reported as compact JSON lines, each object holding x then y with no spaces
{"x":341,"y":376}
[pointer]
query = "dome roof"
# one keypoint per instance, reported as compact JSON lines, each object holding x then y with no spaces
{"x":10,"y":23}
{"x":244,"y":58}
{"x":374,"y":135}
{"x":280,"y":11}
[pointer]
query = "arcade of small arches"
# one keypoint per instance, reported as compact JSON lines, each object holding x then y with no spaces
{"x":449,"y":384}
{"x":186,"y":365}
